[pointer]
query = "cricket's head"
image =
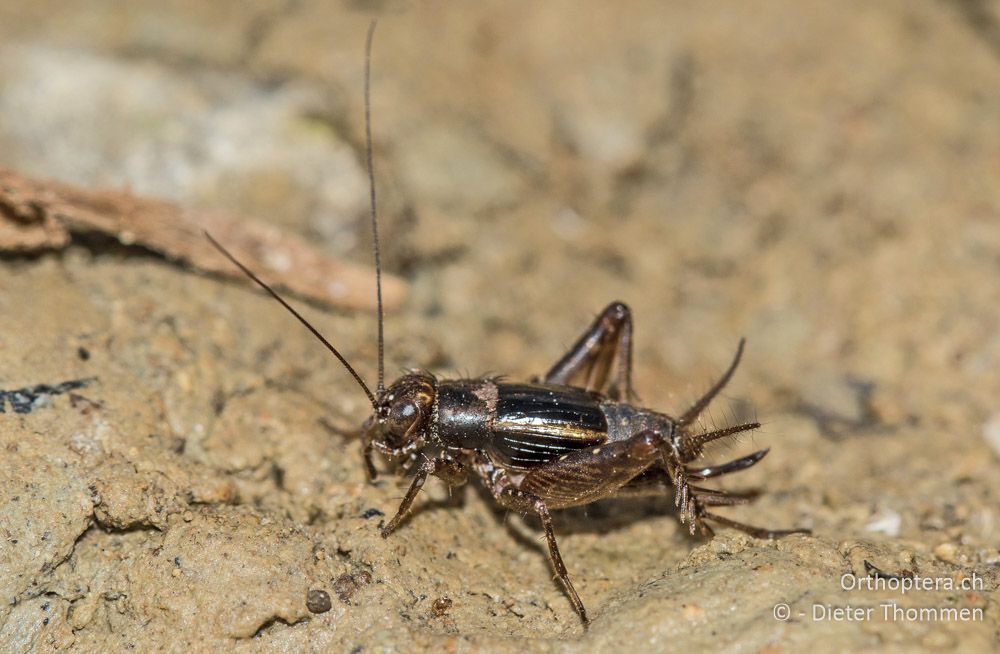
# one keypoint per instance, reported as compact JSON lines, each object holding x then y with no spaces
{"x":402,"y":417}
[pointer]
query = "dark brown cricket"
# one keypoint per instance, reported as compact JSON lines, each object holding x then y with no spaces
{"x":572,"y":438}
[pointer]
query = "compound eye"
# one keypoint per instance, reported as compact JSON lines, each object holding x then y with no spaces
{"x":402,"y":415}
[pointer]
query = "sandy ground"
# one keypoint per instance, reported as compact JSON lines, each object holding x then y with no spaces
{"x":822,"y":178}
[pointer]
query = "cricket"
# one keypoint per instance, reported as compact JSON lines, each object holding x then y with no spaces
{"x":572,"y":437}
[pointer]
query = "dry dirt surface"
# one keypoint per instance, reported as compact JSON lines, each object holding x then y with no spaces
{"x":822,"y":178}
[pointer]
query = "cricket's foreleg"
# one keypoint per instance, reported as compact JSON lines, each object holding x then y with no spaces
{"x":525,"y":502}
{"x":453,"y":472}
{"x":607,"y":341}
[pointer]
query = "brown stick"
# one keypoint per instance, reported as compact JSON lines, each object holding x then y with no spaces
{"x":37,"y":215}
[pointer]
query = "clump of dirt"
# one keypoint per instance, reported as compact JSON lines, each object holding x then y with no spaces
{"x":819,"y":179}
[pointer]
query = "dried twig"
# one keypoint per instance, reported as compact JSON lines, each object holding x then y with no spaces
{"x":37,"y":215}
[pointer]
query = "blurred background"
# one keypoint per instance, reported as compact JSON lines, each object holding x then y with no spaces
{"x":822,"y":178}
{"x":801,"y":173}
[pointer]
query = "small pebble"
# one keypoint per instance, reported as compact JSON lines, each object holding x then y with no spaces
{"x":318,"y":601}
{"x":344,"y":586}
{"x":946,"y":552}
{"x":441,"y":606}
{"x":188,"y":516}
{"x":347,"y":584}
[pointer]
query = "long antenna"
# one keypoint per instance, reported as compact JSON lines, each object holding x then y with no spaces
{"x":371,"y":193}
{"x":315,"y":332}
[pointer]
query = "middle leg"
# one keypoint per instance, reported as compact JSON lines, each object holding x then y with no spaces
{"x":525,"y":502}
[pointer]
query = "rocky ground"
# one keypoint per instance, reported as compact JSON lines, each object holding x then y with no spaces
{"x":822,"y":178}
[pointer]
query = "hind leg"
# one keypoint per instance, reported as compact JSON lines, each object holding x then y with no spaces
{"x":591,"y":474}
{"x":696,"y":500}
{"x":756,"y":532}
{"x":646,"y":459}
{"x":588,"y":363}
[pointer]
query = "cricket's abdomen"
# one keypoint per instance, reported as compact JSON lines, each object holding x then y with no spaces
{"x":519,"y":425}
{"x":625,"y":421}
